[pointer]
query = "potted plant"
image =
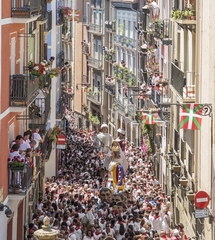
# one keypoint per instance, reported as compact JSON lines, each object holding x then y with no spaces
{"x":127,"y":42}
{"x":54,"y":72}
{"x":30,"y":65}
{"x":48,"y":1}
{"x":190,"y":195}
{"x":187,"y":14}
{"x":16,"y":188}
{"x":16,"y":164}
{"x":52,"y":133}
{"x":176,"y":168}
{"x":183,"y":181}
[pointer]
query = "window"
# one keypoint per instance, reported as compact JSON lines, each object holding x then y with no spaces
{"x":134,"y":32}
{"x":134,"y":65}
{"x":12,"y":56}
{"x":21,"y":53}
{"x":129,"y":61}
{"x":87,"y":12}
{"x":123,"y":33}
{"x":119,"y":55}
{"x":190,"y":163}
{"x":118,"y":28}
{"x":176,"y":140}
{"x":94,"y":17}
{"x":129,"y":29}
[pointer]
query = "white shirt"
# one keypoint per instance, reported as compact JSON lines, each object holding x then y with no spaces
{"x":72,"y":236}
{"x":37,"y":138}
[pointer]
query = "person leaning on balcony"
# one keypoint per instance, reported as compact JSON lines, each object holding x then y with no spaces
{"x":17,"y":140}
{"x":37,"y":137}
{"x":40,"y":100}
{"x":155,"y":10}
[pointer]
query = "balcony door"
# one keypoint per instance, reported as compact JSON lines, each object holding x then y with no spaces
{"x":12,"y":55}
{"x":99,"y":50}
{"x":87,"y":12}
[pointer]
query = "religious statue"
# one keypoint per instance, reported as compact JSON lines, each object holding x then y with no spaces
{"x":116,"y":174}
{"x":103,"y":140}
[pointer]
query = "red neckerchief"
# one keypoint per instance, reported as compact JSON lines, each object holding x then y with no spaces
{"x":97,"y":233}
{"x":88,"y":209}
{"x":156,"y":217}
{"x":11,"y":151}
{"x":77,"y":228}
{"x":164,"y":237}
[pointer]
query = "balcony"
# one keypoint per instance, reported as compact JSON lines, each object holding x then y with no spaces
{"x":155,"y":96}
{"x":60,"y":18}
{"x":85,"y":79}
{"x":39,"y":106}
{"x":60,"y":109}
{"x":94,"y":97}
{"x":110,"y":89}
{"x":25,"y":8}
{"x":20,"y":177}
{"x":182,"y":82}
{"x":85,"y":21}
{"x":85,"y":49}
{"x":23,"y":90}
{"x":95,"y":63}
{"x":46,"y":148}
{"x":43,"y":16}
{"x":126,"y":110}
{"x":95,"y":29}
{"x":125,"y":41}
{"x":48,"y":26}
{"x":110,"y":26}
{"x":109,"y":57}
{"x":60,"y":59}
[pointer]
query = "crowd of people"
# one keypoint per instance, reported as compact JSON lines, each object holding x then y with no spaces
{"x":81,"y":206}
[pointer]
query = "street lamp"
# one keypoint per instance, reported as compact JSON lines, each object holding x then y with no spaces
{"x":7,"y":212}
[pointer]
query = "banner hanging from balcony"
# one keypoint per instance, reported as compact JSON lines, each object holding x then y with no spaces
{"x":74,"y":15}
{"x":149,"y":116}
{"x":191,"y":116}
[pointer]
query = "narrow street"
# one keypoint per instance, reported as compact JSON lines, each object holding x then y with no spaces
{"x":81,"y":206}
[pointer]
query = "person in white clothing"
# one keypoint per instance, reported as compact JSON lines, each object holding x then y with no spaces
{"x":72,"y":234}
{"x":37,"y":137}
{"x":40,"y":99}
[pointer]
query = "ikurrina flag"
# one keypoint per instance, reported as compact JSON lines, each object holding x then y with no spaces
{"x":149,"y":116}
{"x":191,"y":116}
{"x":74,"y":15}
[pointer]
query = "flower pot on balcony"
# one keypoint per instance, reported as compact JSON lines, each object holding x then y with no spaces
{"x":176,"y":168}
{"x":190,"y":196}
{"x":183,"y":181}
{"x":48,"y":1}
{"x":16,"y":190}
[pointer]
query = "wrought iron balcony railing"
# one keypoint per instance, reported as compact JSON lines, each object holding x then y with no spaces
{"x":95,"y":63}
{"x":25,"y":8}
{"x":85,"y":21}
{"x":39,"y":112}
{"x":155,"y":96}
{"x":96,"y":29}
{"x":46,"y":147}
{"x":22,"y":90}
{"x":94,"y":97}
{"x":43,"y":12}
{"x":60,"y":18}
{"x":110,"y":26}
{"x":178,"y":79}
{"x":85,"y":48}
{"x":110,"y":89}
{"x":19,"y":178}
{"x":125,"y":41}
{"x":60,"y":59}
{"x":49,"y":22}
